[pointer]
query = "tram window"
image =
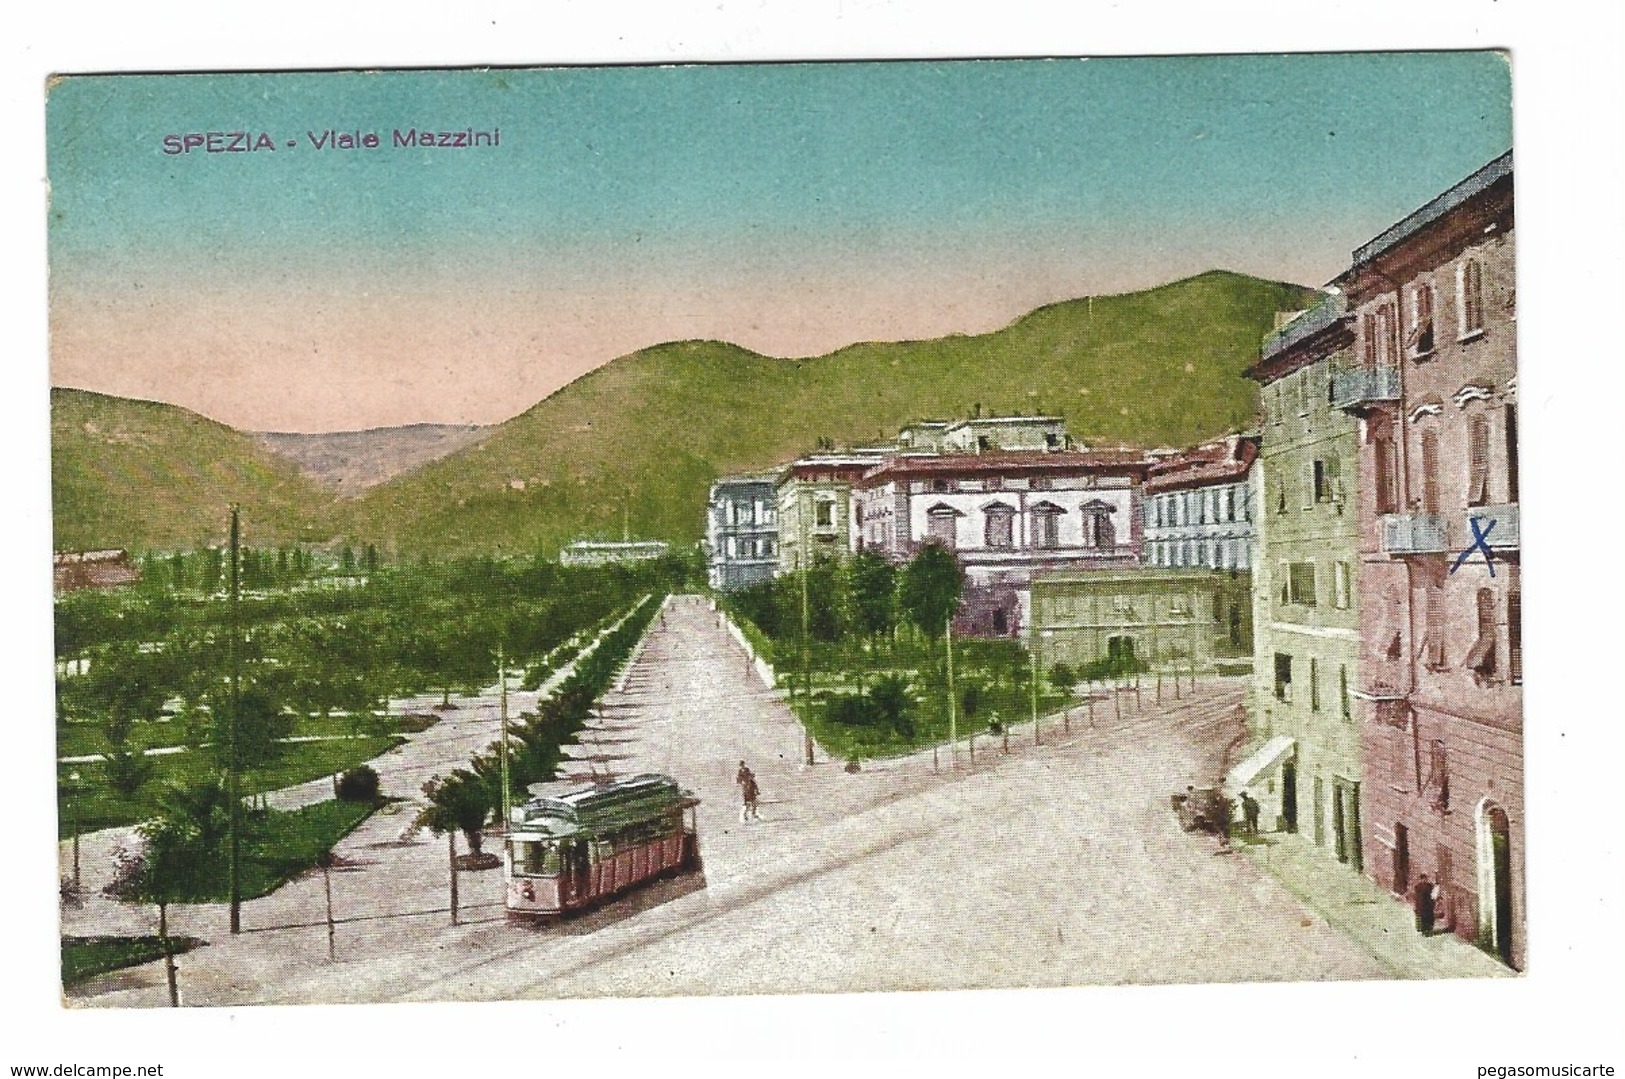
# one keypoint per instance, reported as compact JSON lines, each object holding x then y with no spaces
{"x":532,"y":858}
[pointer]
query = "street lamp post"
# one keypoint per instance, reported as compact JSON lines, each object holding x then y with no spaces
{"x":1036,"y":739}
{"x":73,"y":810}
{"x":953,"y":727}
{"x":502,"y":679}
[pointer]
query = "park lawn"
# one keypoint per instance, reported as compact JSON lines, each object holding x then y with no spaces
{"x":86,"y":957}
{"x":79,"y":739}
{"x":853,"y":742}
{"x":101,"y":807}
{"x":278,"y":845}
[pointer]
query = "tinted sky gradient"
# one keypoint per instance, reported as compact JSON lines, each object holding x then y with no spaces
{"x":789,"y":208}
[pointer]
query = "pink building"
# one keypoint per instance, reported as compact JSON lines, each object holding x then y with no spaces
{"x":1439,"y":697}
{"x":1006,"y":515}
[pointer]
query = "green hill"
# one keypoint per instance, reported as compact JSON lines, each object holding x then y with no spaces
{"x":147,"y":476}
{"x":645,"y":434}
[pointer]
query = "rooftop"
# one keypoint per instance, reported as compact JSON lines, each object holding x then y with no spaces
{"x":1223,"y":460}
{"x":1324,"y":315}
{"x":1010,"y":461}
{"x":1434,"y":209}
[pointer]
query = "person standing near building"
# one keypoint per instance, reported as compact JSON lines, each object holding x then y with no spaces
{"x":748,"y":792}
{"x":1425,"y":901}
{"x":1249,"y":813}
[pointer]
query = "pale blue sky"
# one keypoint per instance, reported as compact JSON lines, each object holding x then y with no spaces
{"x":990,"y":185}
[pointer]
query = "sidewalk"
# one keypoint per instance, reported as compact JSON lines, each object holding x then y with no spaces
{"x":1376,"y":921}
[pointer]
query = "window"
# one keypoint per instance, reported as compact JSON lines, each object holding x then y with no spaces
{"x":1301,"y":583}
{"x":1047,"y":526}
{"x":1432,"y":652}
{"x":1387,"y":474}
{"x":1478,"y":460}
{"x":1283,"y":576}
{"x":1515,"y":637}
{"x":1314,"y":684}
{"x":1303,"y":393}
{"x":1278,"y":413}
{"x":1340,"y":585}
{"x":1511,"y":432}
{"x":1283,"y":677}
{"x":1324,"y":479}
{"x":1368,"y":338}
{"x":1437,"y":784}
{"x":824,"y":513}
{"x":1421,"y":336}
{"x":1430,"y":471}
{"x":1343,"y":691}
{"x":942,"y":486}
{"x":1383,"y":353}
{"x":999,"y":530}
{"x":1470,"y":297}
{"x":1280,"y":494}
{"x":1481,"y":658}
{"x":942,"y":525}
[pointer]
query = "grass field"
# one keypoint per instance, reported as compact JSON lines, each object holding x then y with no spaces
{"x":98,"y":806}
{"x":86,"y":957}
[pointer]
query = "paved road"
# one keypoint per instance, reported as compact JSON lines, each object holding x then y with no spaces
{"x":1055,"y":865}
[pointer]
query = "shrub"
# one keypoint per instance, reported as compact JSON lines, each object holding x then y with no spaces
{"x":851,"y":710}
{"x":359,"y":784}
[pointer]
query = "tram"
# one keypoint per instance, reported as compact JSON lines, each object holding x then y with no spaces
{"x":572,"y":851}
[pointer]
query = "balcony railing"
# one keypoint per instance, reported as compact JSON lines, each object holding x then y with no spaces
{"x":1356,"y":387}
{"x":1414,"y":533}
{"x":1497,"y":524}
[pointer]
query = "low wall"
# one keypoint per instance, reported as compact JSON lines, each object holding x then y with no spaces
{"x":764,"y":669}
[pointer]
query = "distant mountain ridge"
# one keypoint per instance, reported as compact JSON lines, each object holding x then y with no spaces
{"x":640,"y":438}
{"x":349,"y":462}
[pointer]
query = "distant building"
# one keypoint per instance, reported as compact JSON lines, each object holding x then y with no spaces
{"x":1199,"y":506}
{"x":1433,"y":386}
{"x":985,"y":434}
{"x":813,"y":496}
{"x":741,"y":532}
{"x":1306,"y":629}
{"x":74,"y":570}
{"x":1166,"y":619}
{"x":1006,"y":516}
{"x":602,"y":552}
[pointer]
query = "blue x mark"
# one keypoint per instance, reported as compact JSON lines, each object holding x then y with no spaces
{"x":1480,"y":537}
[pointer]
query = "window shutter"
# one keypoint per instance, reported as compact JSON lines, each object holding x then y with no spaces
{"x":1478,"y":452}
{"x":1430,"y":471}
{"x":1433,"y":643}
{"x":1515,"y":637}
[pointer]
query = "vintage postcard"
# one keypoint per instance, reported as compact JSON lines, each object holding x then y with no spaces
{"x":785,"y":528}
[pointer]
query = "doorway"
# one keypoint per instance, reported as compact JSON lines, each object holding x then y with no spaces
{"x":1402,"y":860}
{"x":1495,"y":880}
{"x":1289,"y":796}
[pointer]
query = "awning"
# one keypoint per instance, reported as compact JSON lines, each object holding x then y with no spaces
{"x":1263,"y":759}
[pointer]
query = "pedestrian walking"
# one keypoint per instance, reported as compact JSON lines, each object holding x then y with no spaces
{"x":749,"y":792}
{"x":1249,"y":813}
{"x":1425,"y":898}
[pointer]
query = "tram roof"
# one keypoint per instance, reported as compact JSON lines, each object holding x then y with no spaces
{"x":604,"y":807}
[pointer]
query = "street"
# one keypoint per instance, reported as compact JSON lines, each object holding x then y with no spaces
{"x":1059,"y":864}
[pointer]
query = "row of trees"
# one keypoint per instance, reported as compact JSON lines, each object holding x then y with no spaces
{"x":469,"y":798}
{"x":404,"y":632}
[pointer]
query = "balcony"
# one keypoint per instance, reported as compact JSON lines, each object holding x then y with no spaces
{"x":1503,"y":534}
{"x":1414,"y":533}
{"x":1361,"y":387}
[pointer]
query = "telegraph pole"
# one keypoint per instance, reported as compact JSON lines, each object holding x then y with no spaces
{"x":233,"y":768}
{"x":803,"y":560}
{"x":953,"y":729}
{"x":502,"y":679}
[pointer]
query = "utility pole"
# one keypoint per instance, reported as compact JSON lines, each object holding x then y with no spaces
{"x":233,"y":764}
{"x":953,"y":730}
{"x":803,"y":561}
{"x":502,"y":679}
{"x":1036,"y":740}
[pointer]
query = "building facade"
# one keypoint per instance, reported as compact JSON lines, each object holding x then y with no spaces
{"x":73,"y":570}
{"x":1307,"y":645}
{"x":985,"y":434}
{"x":604,"y":552}
{"x":1433,"y":387}
{"x":741,"y":532}
{"x":1006,"y":516}
{"x":815,"y":508}
{"x":1199,"y":506}
{"x":1175,"y":620}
